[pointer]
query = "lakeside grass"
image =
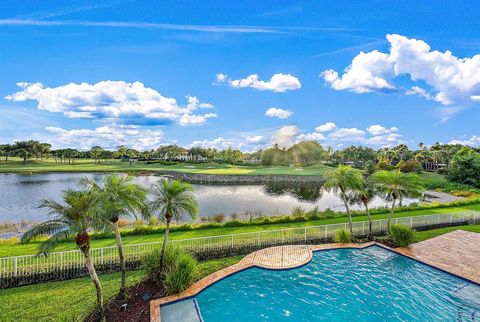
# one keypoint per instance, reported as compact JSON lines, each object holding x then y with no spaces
{"x":14,"y":249}
{"x":15,"y":165}
{"x":72,"y":300}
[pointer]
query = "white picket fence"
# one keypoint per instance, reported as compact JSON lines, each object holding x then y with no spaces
{"x":70,"y":264}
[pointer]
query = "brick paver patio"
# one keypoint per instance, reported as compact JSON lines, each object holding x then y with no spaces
{"x":457,"y":252}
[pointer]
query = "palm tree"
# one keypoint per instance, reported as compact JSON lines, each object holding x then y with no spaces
{"x":343,"y":180}
{"x":363,"y":196}
{"x":172,"y":199}
{"x":73,"y":217}
{"x":397,"y":185}
{"x":119,"y":197}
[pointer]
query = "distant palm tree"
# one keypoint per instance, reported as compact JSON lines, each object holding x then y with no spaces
{"x":341,"y":181}
{"x":397,"y":185}
{"x":119,"y":197}
{"x":363,"y":196}
{"x":170,"y":200}
{"x":73,"y":217}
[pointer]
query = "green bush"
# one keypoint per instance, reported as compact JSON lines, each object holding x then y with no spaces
{"x":151,"y":262}
{"x":401,"y":235}
{"x":343,"y":236}
{"x":382,"y":165}
{"x":369,"y":167}
{"x":410,"y":166}
{"x":178,"y":278}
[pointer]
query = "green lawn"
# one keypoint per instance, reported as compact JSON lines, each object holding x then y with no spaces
{"x":13,"y":249}
{"x":88,"y":165}
{"x":424,"y":235}
{"x":73,"y":299}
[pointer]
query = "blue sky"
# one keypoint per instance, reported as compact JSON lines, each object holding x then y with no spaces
{"x":140,"y":73}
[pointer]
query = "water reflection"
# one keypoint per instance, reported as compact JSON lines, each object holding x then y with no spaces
{"x":310,"y":192}
{"x":20,"y":195}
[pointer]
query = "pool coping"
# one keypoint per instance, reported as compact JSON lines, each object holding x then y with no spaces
{"x":217,"y":276}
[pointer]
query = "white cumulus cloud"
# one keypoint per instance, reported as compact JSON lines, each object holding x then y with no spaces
{"x":285,"y":136}
{"x":279,"y":113}
{"x":133,"y":103}
{"x":326,"y":127}
{"x":375,"y":135}
{"x":277,"y":83}
{"x":474,"y":141}
{"x":108,"y":137}
{"x":451,"y":80}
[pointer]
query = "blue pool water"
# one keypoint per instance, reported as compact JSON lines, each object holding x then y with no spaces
{"x":371,"y":284}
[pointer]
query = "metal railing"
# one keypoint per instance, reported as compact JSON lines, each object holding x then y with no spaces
{"x":69,"y":264}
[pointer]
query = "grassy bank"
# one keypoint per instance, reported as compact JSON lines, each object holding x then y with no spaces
{"x":14,"y":249}
{"x":88,"y":165}
{"x":73,"y":299}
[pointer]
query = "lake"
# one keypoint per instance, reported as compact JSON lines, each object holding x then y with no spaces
{"x":20,"y":195}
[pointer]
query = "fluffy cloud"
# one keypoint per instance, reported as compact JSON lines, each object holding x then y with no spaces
{"x":285,"y":136}
{"x":315,"y":136}
{"x":245,"y":143}
{"x":109,"y":137}
{"x":117,"y":100}
{"x":278,"y":82}
{"x":451,"y":80}
{"x":473,"y":141}
{"x":376,"y":135}
{"x":255,"y":139}
{"x":278,"y":112}
{"x":326,"y":127}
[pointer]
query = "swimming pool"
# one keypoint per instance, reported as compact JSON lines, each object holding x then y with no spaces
{"x":370,"y":284}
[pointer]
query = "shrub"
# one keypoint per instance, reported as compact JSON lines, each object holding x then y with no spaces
{"x":369,"y":167}
{"x":382,"y":165}
{"x":178,"y":278}
{"x":463,"y":193}
{"x":343,"y":236}
{"x":151,"y":262}
{"x":411,"y":166}
{"x":153,"y":221}
{"x":218,"y":218}
{"x":298,"y":211}
{"x":401,"y":235}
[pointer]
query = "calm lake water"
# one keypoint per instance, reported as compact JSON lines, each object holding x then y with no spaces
{"x":20,"y":194}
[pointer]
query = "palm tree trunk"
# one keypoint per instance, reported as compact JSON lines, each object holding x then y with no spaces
{"x":350,"y":225}
{"x":96,"y":281}
{"x":369,"y":221}
{"x":390,"y":215}
{"x":164,"y":246}
{"x":122,"y":294}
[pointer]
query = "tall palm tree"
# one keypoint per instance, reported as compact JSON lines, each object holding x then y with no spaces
{"x":397,"y":185}
{"x":119,"y":197}
{"x":341,"y":181}
{"x":363,"y":196}
{"x":73,"y":217}
{"x":170,"y":200}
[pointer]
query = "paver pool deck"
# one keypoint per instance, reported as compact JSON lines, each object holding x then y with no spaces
{"x":457,"y":252}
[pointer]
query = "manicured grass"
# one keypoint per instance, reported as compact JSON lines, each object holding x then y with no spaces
{"x":73,"y":299}
{"x":58,"y":301}
{"x":424,"y":235}
{"x":88,"y":165}
{"x":13,"y":249}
